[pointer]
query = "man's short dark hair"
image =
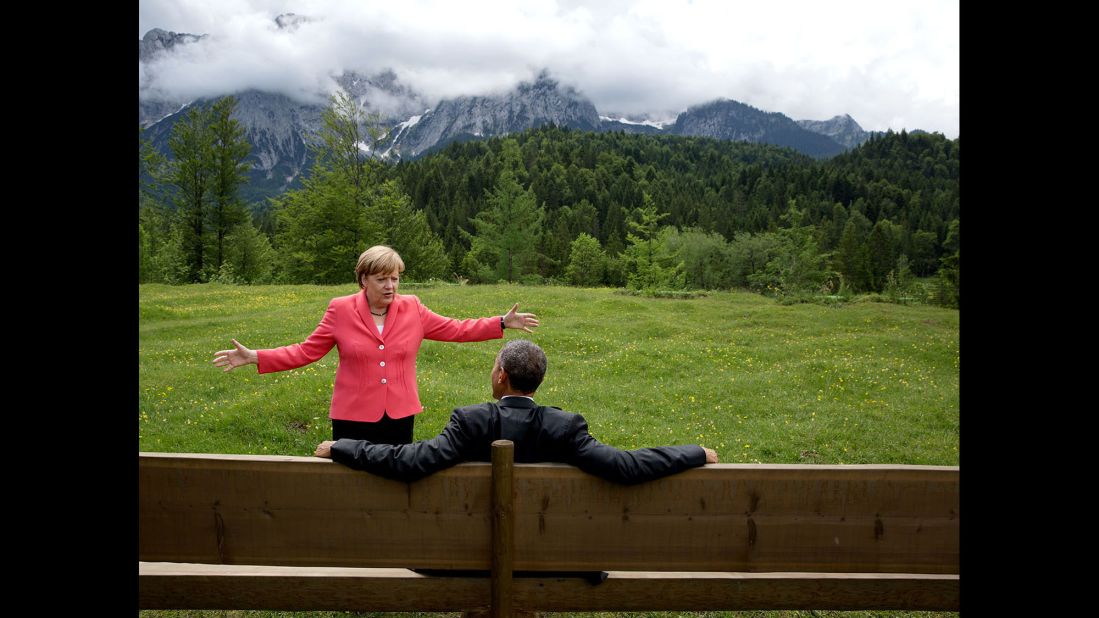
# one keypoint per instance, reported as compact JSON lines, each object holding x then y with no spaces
{"x":525,"y":364}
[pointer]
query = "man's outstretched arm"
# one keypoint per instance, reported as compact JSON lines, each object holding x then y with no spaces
{"x":402,"y":462}
{"x":630,"y":467}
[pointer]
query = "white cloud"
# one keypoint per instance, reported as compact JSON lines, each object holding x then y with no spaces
{"x":888,"y":64}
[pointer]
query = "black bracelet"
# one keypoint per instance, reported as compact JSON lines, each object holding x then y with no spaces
{"x":502,"y":327}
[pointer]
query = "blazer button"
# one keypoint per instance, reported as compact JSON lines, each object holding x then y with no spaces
{"x":383,"y":381}
{"x":382,"y":363}
{"x":381,"y":347}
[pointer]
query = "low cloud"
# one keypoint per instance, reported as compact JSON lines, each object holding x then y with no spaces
{"x":883,"y":63}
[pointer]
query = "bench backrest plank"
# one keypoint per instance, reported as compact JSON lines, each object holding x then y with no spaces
{"x":728,"y":517}
{"x":302,"y":511}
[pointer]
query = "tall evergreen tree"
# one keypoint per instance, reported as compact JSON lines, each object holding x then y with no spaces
{"x":505,"y":246}
{"x":614,"y":227}
{"x":405,"y":229}
{"x":191,"y":174}
{"x":949,"y":274}
{"x":249,"y":257}
{"x":511,"y":159}
{"x":648,"y":264}
{"x":584,"y":219}
{"x":881,"y":247}
{"x":554,"y":246}
{"x":320,"y":230}
{"x":851,"y":258}
{"x":924,"y":257}
{"x":154,"y":218}
{"x":834,"y":228}
{"x":228,"y":151}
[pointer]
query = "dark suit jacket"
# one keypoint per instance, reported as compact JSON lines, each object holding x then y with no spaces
{"x":540,"y":433}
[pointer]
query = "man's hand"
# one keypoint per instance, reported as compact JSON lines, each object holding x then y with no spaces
{"x":711,"y":455}
{"x":324,"y":449}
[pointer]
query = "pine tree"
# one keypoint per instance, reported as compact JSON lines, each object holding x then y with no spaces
{"x":508,"y":230}
{"x":191,"y":174}
{"x":882,"y":253}
{"x":833,"y":231}
{"x":554,"y":247}
{"x":405,"y":229}
{"x":649,"y":267}
{"x":614,"y":226}
{"x":154,"y":218}
{"x":851,"y":258}
{"x":949,"y":294}
{"x":228,"y":152}
{"x":320,"y":230}
{"x":924,"y":257}
{"x":249,"y":257}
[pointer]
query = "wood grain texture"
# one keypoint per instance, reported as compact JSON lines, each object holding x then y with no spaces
{"x":301,"y":511}
{"x":208,"y":586}
{"x":171,"y":585}
{"x":727,"y":517}
{"x":503,"y":527}
{"x":737,"y":518}
{"x":684,"y":591}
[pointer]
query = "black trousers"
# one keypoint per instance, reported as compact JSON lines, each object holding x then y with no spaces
{"x":385,"y":431}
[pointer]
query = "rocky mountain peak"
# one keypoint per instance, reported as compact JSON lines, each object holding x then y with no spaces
{"x":382,"y":94}
{"x":733,"y":120}
{"x":530,"y":104}
{"x":157,"y":41}
{"x":843,"y":129}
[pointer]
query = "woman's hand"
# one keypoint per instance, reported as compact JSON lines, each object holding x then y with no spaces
{"x":520,"y":320}
{"x":231,"y":359}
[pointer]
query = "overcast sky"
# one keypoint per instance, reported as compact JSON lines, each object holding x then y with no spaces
{"x":889,"y":64}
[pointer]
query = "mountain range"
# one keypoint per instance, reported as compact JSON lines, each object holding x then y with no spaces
{"x":279,"y":128}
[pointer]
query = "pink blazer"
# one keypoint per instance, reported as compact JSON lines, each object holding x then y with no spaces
{"x":376,"y":372}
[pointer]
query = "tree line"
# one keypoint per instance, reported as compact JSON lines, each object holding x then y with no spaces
{"x":557,"y":205}
{"x":192,"y":224}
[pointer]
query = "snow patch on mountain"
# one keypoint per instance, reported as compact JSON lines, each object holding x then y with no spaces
{"x":656,"y":124}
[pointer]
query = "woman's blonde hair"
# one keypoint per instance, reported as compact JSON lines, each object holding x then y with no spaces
{"x":377,"y":259}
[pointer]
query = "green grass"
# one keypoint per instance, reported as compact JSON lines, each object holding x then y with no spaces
{"x":757,"y":381}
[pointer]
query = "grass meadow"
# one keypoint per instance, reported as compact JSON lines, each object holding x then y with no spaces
{"x":757,"y":381}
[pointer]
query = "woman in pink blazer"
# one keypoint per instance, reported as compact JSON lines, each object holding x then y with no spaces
{"x":378,"y":333}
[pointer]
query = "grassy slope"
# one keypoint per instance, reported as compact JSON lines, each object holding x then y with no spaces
{"x":757,"y":381}
{"x":760,"y":382}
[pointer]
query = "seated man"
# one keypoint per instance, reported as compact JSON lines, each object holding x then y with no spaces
{"x":540,"y":433}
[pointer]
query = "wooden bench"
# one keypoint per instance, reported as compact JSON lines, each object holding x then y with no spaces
{"x":301,"y":533}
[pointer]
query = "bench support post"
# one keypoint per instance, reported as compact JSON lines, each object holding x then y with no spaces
{"x":503,"y":527}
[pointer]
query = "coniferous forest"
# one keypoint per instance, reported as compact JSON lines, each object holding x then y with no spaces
{"x":658,"y":214}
